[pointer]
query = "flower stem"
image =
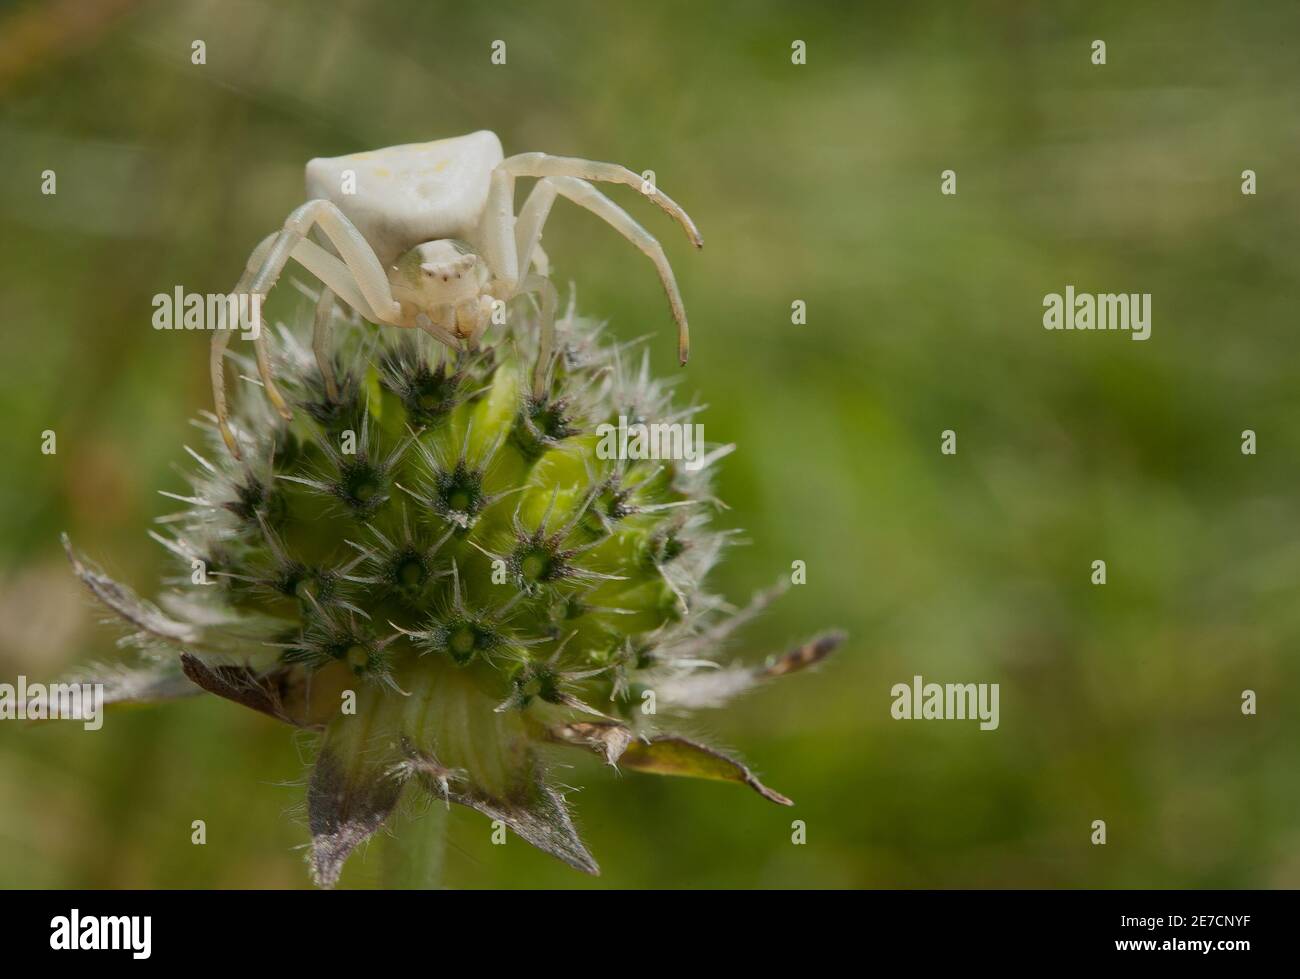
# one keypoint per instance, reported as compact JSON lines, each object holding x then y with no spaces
{"x":414,"y":850}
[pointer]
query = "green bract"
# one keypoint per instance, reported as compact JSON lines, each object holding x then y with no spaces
{"x":439,"y":572}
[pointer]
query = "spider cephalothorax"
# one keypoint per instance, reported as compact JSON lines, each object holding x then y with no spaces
{"x":425,"y":236}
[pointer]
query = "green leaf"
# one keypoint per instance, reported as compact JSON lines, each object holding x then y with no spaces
{"x":671,"y":754}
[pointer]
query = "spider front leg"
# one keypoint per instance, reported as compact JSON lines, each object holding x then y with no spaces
{"x":546,"y":335}
{"x":536,"y":209}
{"x":544,"y":165}
{"x":217,"y":353}
{"x":363,"y":265}
{"x":357,"y":278}
{"x":510,"y":247}
{"x":359,"y":271}
{"x":541,"y":264}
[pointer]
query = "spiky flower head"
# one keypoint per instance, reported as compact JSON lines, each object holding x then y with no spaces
{"x":438,"y":570}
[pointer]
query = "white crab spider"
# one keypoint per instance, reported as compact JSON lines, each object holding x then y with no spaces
{"x":429,"y":240}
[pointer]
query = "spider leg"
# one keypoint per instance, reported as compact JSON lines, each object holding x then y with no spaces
{"x":585,"y":195}
{"x":354,"y":250}
{"x":217,"y":353}
{"x":541,"y":263}
{"x":543,"y":165}
{"x":496,"y":234}
{"x":337,"y":276}
{"x":216,"y":369}
{"x":357,"y":278}
{"x":502,"y":237}
{"x":358,"y":259}
{"x":337,"y":280}
{"x":528,"y":226}
{"x":510,"y":255}
{"x":528,"y":235}
{"x":546,"y":335}
{"x":264,"y":372}
{"x":440,"y":323}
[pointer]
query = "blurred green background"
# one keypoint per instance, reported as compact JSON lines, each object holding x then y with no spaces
{"x":816,"y":182}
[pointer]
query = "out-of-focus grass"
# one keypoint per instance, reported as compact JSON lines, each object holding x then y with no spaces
{"x":817,"y":183}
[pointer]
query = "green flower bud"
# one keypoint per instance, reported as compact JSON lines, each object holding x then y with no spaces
{"x":449,"y":552}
